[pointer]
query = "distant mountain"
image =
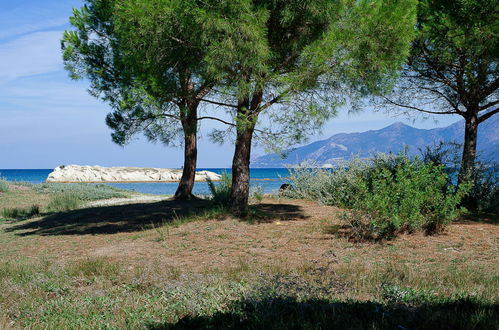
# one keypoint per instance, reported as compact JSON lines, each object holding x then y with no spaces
{"x":393,"y":138}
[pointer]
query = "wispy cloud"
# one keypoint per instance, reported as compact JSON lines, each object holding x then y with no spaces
{"x":18,"y":30}
{"x":32,"y":54}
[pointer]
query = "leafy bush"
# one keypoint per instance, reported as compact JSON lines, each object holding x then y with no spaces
{"x":21,"y":213}
{"x":340,"y":187}
{"x":64,"y":202}
{"x":386,"y":195}
{"x":414,"y":195}
{"x":4,"y":185}
{"x":220,"y":192}
{"x":484,"y":193}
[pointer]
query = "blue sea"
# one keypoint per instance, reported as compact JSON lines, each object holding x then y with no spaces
{"x":269,"y":179}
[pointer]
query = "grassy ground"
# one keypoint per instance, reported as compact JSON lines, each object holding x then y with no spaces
{"x":172,"y":265}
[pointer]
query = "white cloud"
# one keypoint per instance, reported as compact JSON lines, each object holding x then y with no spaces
{"x":32,"y":27}
{"x":32,"y":54}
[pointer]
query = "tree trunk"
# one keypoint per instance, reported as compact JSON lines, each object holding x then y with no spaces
{"x":189,"y":125}
{"x":469,"y":150}
{"x":241,"y":171}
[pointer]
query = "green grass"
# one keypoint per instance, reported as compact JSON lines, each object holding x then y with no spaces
{"x":97,"y":293}
{"x":4,"y":185}
{"x":19,"y":213}
{"x":85,"y":191}
{"x":51,"y":197}
{"x":63,"y":202}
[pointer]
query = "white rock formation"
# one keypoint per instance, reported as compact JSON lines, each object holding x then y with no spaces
{"x":77,"y":173}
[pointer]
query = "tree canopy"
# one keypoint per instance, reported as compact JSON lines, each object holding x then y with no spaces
{"x":303,"y":60}
{"x":452,"y":67}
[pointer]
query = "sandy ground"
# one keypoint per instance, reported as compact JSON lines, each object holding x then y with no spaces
{"x":131,"y":200}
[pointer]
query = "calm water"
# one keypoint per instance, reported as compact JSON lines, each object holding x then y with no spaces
{"x":269,"y":179}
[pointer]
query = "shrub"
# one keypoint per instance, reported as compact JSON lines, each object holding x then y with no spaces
{"x":4,"y":185}
{"x":340,"y":187}
{"x":484,"y":192}
{"x":386,"y":195}
{"x":415,"y":195}
{"x":21,"y":213}
{"x":220,"y":193}
{"x":64,"y":202}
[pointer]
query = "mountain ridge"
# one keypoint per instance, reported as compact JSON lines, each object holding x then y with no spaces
{"x":393,"y":138}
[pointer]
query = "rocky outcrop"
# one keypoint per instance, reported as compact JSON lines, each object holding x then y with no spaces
{"x":76,"y":173}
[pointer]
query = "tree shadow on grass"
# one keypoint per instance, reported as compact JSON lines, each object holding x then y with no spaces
{"x":265,"y":213}
{"x":288,"y":313}
{"x":136,"y":217}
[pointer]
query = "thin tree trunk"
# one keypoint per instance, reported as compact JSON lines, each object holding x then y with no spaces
{"x":469,"y":150}
{"x":184,"y":189}
{"x":241,"y":171}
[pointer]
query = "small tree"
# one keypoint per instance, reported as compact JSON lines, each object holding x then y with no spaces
{"x":145,"y":58}
{"x":300,"y":61}
{"x":452,"y":68}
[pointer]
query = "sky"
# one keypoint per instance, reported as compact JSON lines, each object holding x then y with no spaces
{"x":47,"y":119}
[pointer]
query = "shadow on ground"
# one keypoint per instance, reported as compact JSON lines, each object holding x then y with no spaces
{"x":139,"y":216}
{"x":288,"y":313}
{"x":492,"y":218}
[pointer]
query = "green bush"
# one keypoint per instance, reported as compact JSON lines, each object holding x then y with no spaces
{"x":387,"y":195}
{"x":220,"y":193}
{"x":415,"y":195}
{"x":64,"y":202}
{"x":4,"y":185}
{"x":21,"y":213}
{"x":340,"y":187}
{"x":484,"y":193}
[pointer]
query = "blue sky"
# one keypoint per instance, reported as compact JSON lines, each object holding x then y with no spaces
{"x":47,"y":120}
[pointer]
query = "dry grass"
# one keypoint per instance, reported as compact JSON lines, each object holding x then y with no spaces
{"x":129,"y":255}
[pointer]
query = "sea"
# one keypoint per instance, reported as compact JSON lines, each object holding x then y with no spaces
{"x":267,"y":180}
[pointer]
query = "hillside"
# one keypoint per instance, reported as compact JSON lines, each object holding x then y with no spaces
{"x":393,"y":138}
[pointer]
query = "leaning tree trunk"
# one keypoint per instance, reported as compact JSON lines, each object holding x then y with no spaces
{"x":241,"y":171}
{"x":189,"y":125}
{"x":469,"y":150}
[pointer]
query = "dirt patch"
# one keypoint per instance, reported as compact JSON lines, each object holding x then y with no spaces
{"x":290,"y":234}
{"x":131,"y":200}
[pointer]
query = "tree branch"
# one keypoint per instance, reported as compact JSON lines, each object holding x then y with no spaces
{"x":217,"y":119}
{"x":490,"y":89}
{"x":234,"y":125}
{"x":421,"y":110}
{"x":219,"y":103}
{"x":488,"y":105}
{"x":488,"y":115}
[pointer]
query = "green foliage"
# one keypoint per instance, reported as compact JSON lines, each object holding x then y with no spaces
{"x":452,"y":67}
{"x":146,"y":59}
{"x":220,"y":192}
{"x":413,"y":196}
{"x":388,"y":195}
{"x":257,"y":193}
{"x":484,"y":193}
{"x":85,"y":191}
{"x":484,"y":179}
{"x":21,"y":213}
{"x":65,"y":201}
{"x":4,"y":185}
{"x":341,"y":187}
